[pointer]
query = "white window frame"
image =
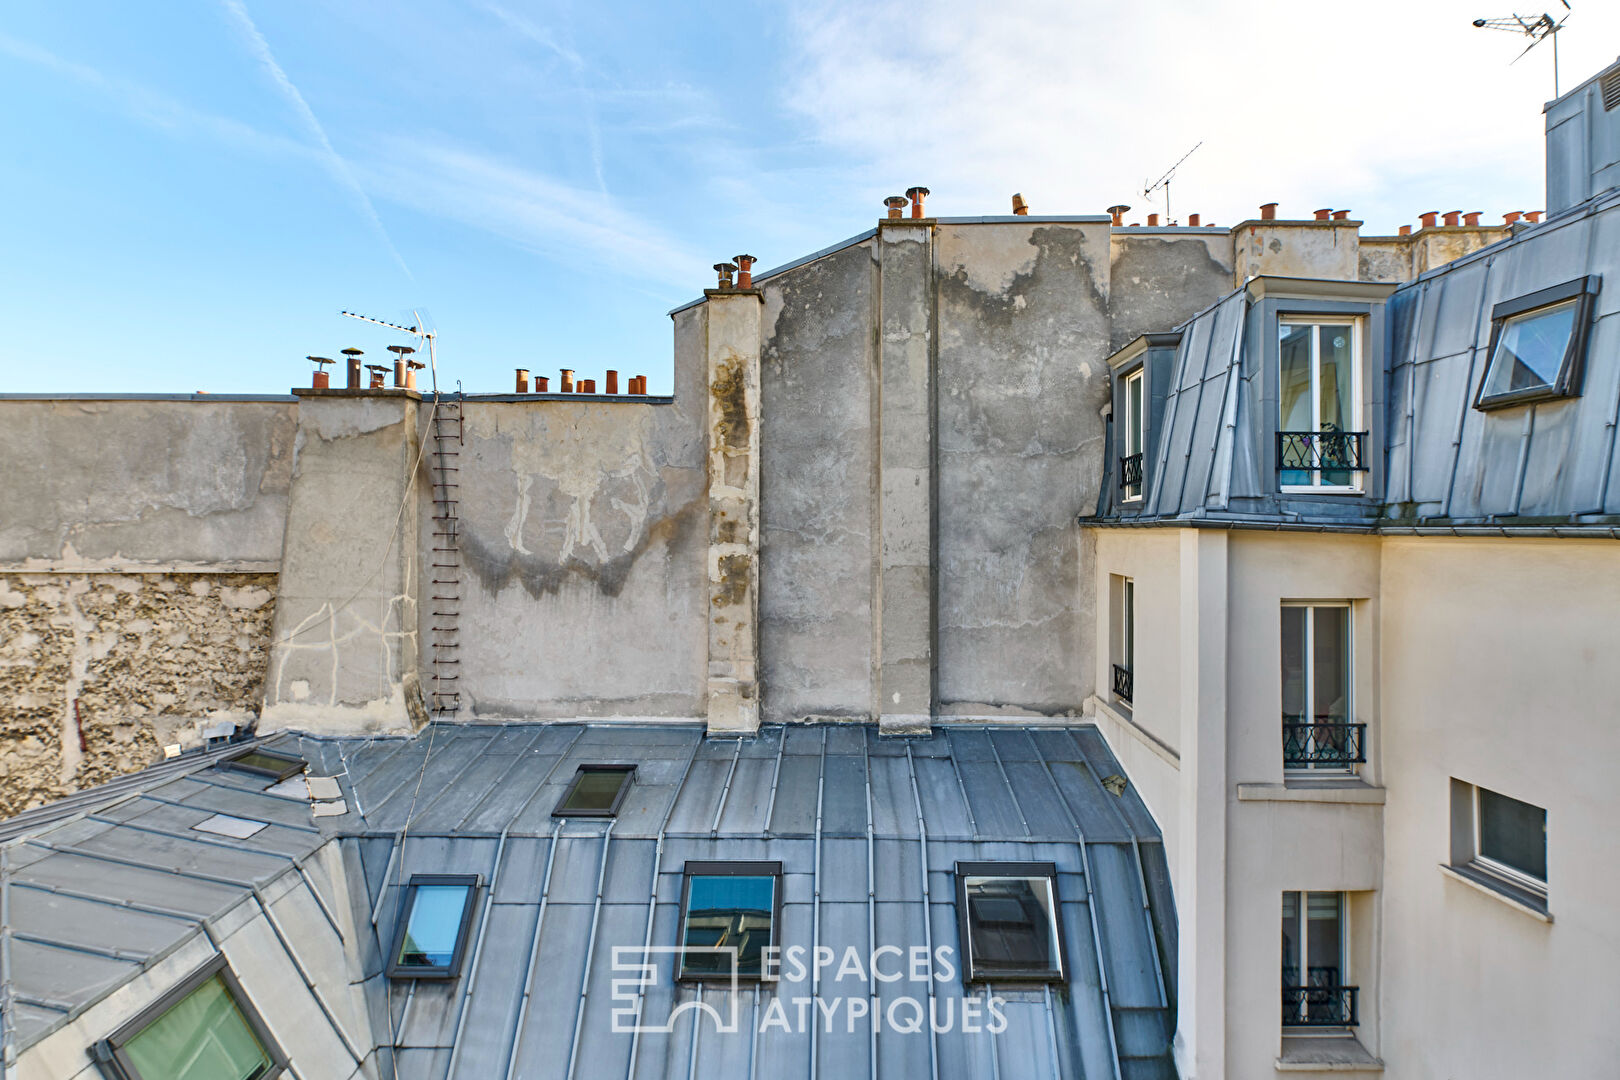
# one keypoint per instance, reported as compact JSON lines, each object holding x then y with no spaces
{"x":1358,"y":365}
{"x":1134,"y":425}
{"x":1512,"y":875}
{"x":1310,"y":676}
{"x":1301,"y":916}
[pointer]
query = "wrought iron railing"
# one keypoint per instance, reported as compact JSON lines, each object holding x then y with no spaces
{"x":1321,"y":451}
{"x":1323,"y":743}
{"x":1130,"y":474}
{"x":1320,"y":1006}
{"x":1122,"y":683}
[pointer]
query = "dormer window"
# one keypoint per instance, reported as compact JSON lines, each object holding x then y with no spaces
{"x":1538,"y":345}
{"x":1130,"y":462}
{"x":1321,"y":446}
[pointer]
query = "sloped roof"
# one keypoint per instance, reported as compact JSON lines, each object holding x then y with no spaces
{"x":860,"y":822}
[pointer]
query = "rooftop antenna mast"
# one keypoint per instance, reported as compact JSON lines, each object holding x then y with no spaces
{"x":1537,"y":28}
{"x":427,"y":337}
{"x":1164,"y":182}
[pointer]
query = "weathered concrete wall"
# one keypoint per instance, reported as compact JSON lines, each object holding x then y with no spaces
{"x":114,"y":484}
{"x":1023,"y":333}
{"x":343,"y":656}
{"x":583,"y":533}
{"x":1308,"y":249}
{"x":818,"y":507}
{"x":132,"y":661}
{"x":1158,"y":280}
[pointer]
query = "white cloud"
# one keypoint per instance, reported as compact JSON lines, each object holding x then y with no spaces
{"x":1374,"y":106}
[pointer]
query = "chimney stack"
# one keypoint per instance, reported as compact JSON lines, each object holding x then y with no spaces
{"x":321,"y":379}
{"x":1532,"y":216}
{"x":401,"y":352}
{"x":1511,"y":217}
{"x":724,"y":270}
{"x":565,"y":381}
{"x":1450,"y":218}
{"x":379,"y":375}
{"x":1020,"y":207}
{"x":1471,"y":219}
{"x":916,"y":195}
{"x":1406,"y":230}
{"x":541,"y":384}
{"x":612,"y":381}
{"x":745,"y":273}
{"x":354,"y":356}
{"x":1192,"y":221}
{"x":1323,"y":215}
{"x":1268,"y":211}
{"x":1427,"y":219}
{"x":523,"y":380}
{"x":896,"y":205}
{"x":1341,"y":215}
{"x":1153,"y":221}
{"x":1118,"y":214}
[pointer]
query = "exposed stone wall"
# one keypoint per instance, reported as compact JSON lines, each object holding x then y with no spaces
{"x":149,"y":658}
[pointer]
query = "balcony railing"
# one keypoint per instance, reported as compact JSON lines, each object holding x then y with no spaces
{"x":1122,"y":683}
{"x":1130,"y":474}
{"x":1323,"y":744}
{"x":1319,"y":1006}
{"x":1321,"y":451}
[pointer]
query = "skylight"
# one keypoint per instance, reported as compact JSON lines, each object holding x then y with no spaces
{"x":265,"y":763}
{"x":729,"y":915}
{"x":435,"y":918}
{"x":596,"y":791}
{"x":1007,"y":915}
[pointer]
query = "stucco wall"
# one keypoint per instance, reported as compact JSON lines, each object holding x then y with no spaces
{"x":132,"y":661}
{"x":1498,"y":669}
{"x":818,"y":454}
{"x":1160,"y":280}
{"x":583,"y":537}
{"x":119,"y":483}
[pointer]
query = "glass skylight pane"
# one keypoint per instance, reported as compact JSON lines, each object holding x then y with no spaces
{"x":1530,"y":350}
{"x":597,"y":789}
{"x":728,"y":912}
{"x":434,"y":927}
{"x":1011,"y":926}
{"x":204,"y":1036}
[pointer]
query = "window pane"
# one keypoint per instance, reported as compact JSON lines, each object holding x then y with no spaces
{"x":1336,"y":395}
{"x":1290,"y":939}
{"x":1133,"y":436}
{"x":1293,"y":664}
{"x":1513,"y":833}
{"x":1324,"y":939}
{"x":203,"y":1037}
{"x":1294,"y":390}
{"x":1011,"y":926}
{"x":595,"y":791}
{"x":1331,"y":664}
{"x":1129,"y":620}
{"x":430,"y":937}
{"x":728,"y":913}
{"x":1530,"y":350}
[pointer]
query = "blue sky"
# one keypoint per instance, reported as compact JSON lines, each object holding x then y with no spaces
{"x":196,"y":188}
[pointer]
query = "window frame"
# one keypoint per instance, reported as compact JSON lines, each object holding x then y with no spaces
{"x":110,"y":1053}
{"x":1302,"y":932}
{"x":726,"y":868}
{"x":1358,"y":419}
{"x":294,"y":764}
{"x":402,"y":922}
{"x":1135,"y":421}
{"x":1571,"y":370}
{"x":1047,"y":870}
{"x":629,"y":772}
{"x":1511,"y":874}
{"x":1310,"y":606}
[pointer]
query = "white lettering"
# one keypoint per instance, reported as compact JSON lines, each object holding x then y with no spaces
{"x":879,"y":951}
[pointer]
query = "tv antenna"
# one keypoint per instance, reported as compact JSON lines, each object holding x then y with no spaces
{"x":1164,"y":182}
{"x":1537,"y":28}
{"x":426,"y":336}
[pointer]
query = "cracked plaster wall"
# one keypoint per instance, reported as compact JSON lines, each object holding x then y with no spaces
{"x":147,"y":658}
{"x":584,"y":535}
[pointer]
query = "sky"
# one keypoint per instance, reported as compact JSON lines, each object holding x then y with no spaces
{"x":195,"y":189}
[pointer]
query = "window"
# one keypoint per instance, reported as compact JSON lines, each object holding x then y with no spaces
{"x":1538,"y":345}
{"x":1317,"y":727}
{"x":1500,"y":841}
{"x":1319,"y":441}
{"x":1125,"y":646}
{"x":596,"y":791}
{"x":265,"y":763}
{"x":1315,"y":961}
{"x":203,"y":1029}
{"x":1130,"y":463}
{"x":435,"y":919}
{"x":1007,"y":916}
{"x":729,"y":915}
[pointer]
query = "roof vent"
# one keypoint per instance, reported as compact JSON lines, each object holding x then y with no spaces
{"x":1610,"y":84}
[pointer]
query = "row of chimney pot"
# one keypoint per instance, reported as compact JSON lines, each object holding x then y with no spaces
{"x":405,"y":369}
{"x":567,"y":384}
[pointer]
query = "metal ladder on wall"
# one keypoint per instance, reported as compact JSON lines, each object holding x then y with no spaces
{"x":446,"y":562}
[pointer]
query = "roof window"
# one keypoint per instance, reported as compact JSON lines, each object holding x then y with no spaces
{"x":265,"y":763}
{"x":1007,"y":915}
{"x":1538,"y":345}
{"x":596,"y":791}
{"x":729,"y":915}
{"x":435,"y":919}
{"x":205,"y":1027}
